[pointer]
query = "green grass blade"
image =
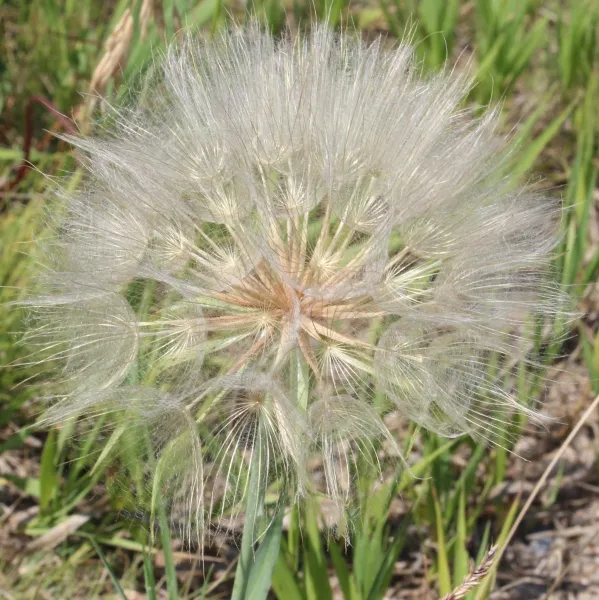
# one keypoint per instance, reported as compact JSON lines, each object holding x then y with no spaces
{"x":15,"y":441}
{"x":294,"y":538}
{"x":482,"y":550}
{"x":342,"y":571}
{"x":487,"y":585}
{"x":420,"y":468}
{"x":252,"y":514}
{"x":48,"y":474}
{"x":265,"y":561}
{"x":460,"y":553}
{"x":442,"y":560}
{"x":113,"y":577}
{"x":284,"y":581}
{"x":387,"y":564}
{"x":529,"y":155}
{"x":108,"y":446}
{"x":149,"y":578}
{"x":315,"y":561}
{"x":170,"y":570}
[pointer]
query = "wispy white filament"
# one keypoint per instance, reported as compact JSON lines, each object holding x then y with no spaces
{"x":280,"y":243}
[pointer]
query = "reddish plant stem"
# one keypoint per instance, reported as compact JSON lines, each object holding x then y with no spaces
{"x":25,"y":164}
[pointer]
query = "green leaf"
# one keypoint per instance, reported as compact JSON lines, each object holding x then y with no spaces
{"x":254,"y":504}
{"x":591,"y":270}
{"x":15,"y":441}
{"x":149,"y":578}
{"x":205,"y":11}
{"x":465,"y":480}
{"x":284,"y":583}
{"x":108,"y":446}
{"x":387,"y":564}
{"x":420,"y":468}
{"x":315,"y":562}
{"x":265,"y":561}
{"x":348,"y":587}
{"x":487,"y":584}
{"x":115,"y":541}
{"x":28,"y":485}
{"x":442,"y":561}
{"x":527,"y":158}
{"x":170,"y":570}
{"x":294,"y":538}
{"x":48,"y":475}
{"x":482,"y":550}
{"x":113,"y":577}
{"x":460,"y":553}
{"x":168,"y":17}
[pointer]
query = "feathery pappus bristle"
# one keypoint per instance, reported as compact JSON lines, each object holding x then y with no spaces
{"x":278,"y":244}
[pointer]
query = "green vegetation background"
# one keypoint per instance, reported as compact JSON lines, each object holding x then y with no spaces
{"x":538,"y":59}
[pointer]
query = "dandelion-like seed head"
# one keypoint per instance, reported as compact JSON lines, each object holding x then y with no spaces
{"x":281,"y":242}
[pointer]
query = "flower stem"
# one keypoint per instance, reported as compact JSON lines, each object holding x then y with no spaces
{"x":255,"y":495}
{"x":255,"y":567}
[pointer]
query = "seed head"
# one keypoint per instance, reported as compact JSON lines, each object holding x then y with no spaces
{"x":278,"y":244}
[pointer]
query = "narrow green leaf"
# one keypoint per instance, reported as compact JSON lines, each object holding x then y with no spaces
{"x":115,"y":541}
{"x":149,"y":578}
{"x":113,"y":577}
{"x":465,"y":480}
{"x":168,"y":17}
{"x":294,"y":538}
{"x":442,"y":561}
{"x":48,"y":475}
{"x":284,"y":582}
{"x":108,"y":446}
{"x":15,"y":441}
{"x":420,"y":468}
{"x":592,"y":268}
{"x":460,"y":553}
{"x":203,"y":12}
{"x":500,"y":463}
{"x":342,"y":570}
{"x":253,"y":507}
{"x":170,"y":570}
{"x":315,"y":562}
{"x":28,"y":485}
{"x":527,"y":158}
{"x":484,"y":543}
{"x":387,"y":564}
{"x":487,"y":585}
{"x":265,"y":561}
{"x":482,"y":550}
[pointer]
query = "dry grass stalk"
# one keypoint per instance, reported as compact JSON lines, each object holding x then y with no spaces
{"x":146,"y":15}
{"x":117,"y":48}
{"x":541,"y":482}
{"x":473,"y":579}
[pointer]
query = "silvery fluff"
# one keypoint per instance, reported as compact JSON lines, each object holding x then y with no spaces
{"x":280,"y":243}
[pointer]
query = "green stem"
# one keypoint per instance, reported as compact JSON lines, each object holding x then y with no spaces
{"x":254,"y":502}
{"x":255,"y":567}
